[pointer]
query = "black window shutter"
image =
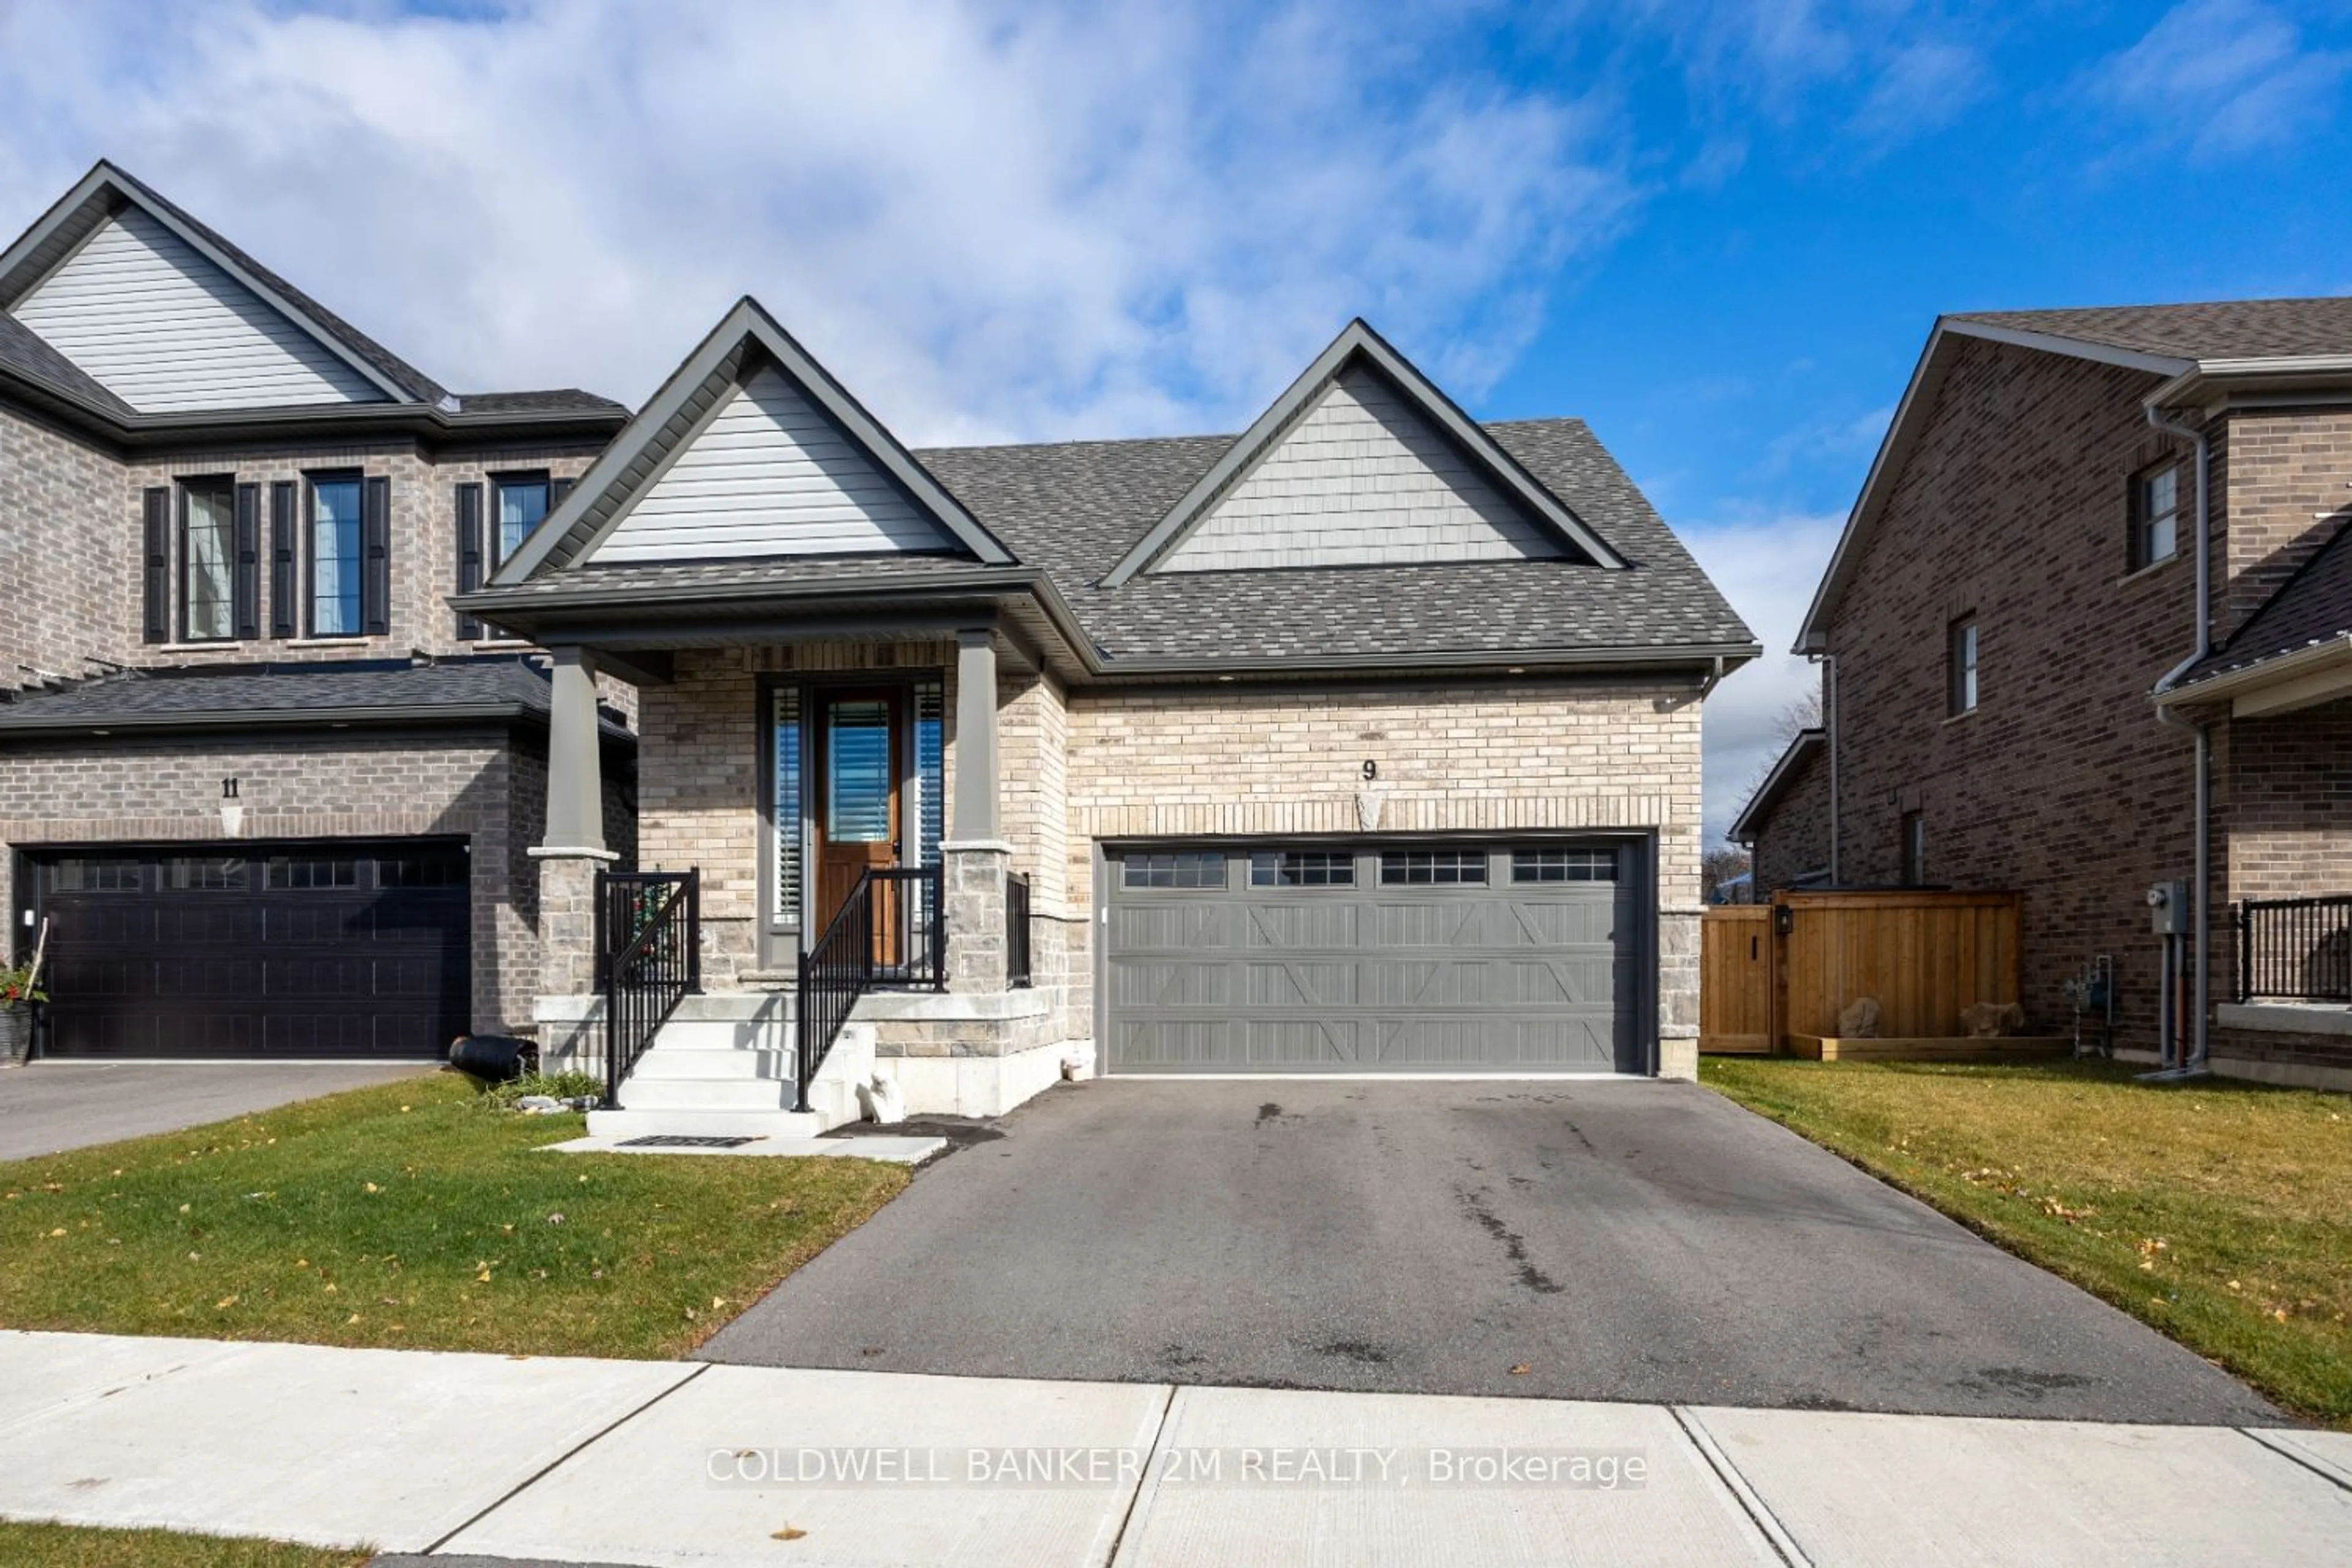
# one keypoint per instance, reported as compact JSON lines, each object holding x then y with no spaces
{"x":375,"y":578}
{"x":157,"y":577}
{"x":282,"y":605}
{"x":248,"y":560}
{"x":470,"y":555}
{"x":556,"y":490}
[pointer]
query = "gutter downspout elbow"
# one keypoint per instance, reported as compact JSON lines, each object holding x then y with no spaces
{"x":2201,"y":888}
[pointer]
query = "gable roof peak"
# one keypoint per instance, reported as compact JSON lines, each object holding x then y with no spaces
{"x":746,"y":342}
{"x":109,"y":190}
{"x":1357,"y":343}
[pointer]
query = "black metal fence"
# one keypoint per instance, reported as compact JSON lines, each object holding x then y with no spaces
{"x":648,"y":955}
{"x":891,"y":930}
{"x":2295,"y":948}
{"x":1016,"y":931}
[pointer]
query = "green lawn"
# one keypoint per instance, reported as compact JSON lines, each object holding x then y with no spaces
{"x":2221,"y":1213}
{"x":412,"y":1214}
{"x":70,"y":1546}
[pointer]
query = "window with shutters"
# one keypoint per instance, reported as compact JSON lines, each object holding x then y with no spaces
{"x":337,"y":562}
{"x":207,"y":560}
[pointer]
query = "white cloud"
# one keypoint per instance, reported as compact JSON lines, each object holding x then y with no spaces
{"x":992,"y":223}
{"x":2225,"y":76}
{"x":1768,"y":566}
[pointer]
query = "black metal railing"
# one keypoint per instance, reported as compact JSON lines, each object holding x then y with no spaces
{"x":1016,"y":931}
{"x":2295,"y":948}
{"x":891,"y":930}
{"x":648,"y":955}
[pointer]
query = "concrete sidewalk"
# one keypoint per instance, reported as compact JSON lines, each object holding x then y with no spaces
{"x":458,"y":1458}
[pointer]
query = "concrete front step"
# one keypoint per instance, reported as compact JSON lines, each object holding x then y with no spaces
{"x":643,"y":1093}
{"x":667,"y":1059}
{"x":636,"y":1123}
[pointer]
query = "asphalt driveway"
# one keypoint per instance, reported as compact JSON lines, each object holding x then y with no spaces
{"x":1623,"y":1240}
{"x":46,"y":1107}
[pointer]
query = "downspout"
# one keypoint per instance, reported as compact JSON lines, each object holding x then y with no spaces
{"x":2201,"y":937}
{"x":1828,"y":661}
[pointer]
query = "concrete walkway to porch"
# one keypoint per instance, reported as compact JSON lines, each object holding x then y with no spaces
{"x":453,"y":1458}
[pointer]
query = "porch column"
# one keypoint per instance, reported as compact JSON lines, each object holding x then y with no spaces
{"x":572,"y":849}
{"x":975,"y":857}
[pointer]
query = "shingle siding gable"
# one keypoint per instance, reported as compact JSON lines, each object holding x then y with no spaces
{"x":1360,"y":479}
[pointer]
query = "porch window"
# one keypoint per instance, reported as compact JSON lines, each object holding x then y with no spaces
{"x":857,"y":772}
{"x":787,"y":786}
{"x":930,"y":770}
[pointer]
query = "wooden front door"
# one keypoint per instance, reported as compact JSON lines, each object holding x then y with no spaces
{"x":859,"y":743}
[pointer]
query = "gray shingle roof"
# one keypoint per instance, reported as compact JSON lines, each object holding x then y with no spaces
{"x":350,"y":691}
{"x":2315,"y":606}
{"x":2221,"y":329}
{"x":1074,"y":509}
{"x":566,"y":399}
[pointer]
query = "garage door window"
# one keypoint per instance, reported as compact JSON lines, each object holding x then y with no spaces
{"x":207,"y":874}
{"x":1432,"y":867}
{"x":1303,"y":868}
{"x":95,"y":876}
{"x":1563,"y":865}
{"x":296,"y":872}
{"x":1187,"y":868}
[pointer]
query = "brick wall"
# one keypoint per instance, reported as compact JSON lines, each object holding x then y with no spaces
{"x":2062,"y":784}
{"x":424,"y":565}
{"x":2282,"y":484}
{"x":1153,"y":763}
{"x":69,"y":554}
{"x":168,"y":790}
{"x":1796,"y":836}
{"x":71,"y":543}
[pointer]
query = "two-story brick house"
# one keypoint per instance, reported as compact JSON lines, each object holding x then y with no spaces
{"x":264,"y":790}
{"x":2032,"y":679}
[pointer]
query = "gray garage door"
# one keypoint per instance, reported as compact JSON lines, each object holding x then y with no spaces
{"x":1367,"y":958}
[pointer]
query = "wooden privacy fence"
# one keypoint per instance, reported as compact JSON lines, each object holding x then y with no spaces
{"x":1777,"y":976}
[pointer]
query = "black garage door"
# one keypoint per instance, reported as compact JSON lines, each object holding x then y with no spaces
{"x":1375,"y":957}
{"x":256,"y":950}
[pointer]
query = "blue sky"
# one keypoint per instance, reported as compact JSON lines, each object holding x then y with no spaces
{"x":1719,"y":230}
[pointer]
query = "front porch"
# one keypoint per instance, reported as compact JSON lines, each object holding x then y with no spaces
{"x":848,"y":869}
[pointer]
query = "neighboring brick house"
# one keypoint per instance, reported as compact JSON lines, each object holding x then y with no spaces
{"x":268,"y":793}
{"x":1367,"y":740}
{"x":2017,"y":681}
{"x":1793,"y":801}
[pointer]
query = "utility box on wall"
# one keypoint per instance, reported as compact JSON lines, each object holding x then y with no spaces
{"x":2168,"y":908}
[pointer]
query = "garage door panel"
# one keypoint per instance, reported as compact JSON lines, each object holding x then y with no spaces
{"x":1378,"y":978}
{"x":361,"y":950}
{"x":1299,"y":983}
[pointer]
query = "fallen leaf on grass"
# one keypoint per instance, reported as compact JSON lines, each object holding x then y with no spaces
{"x":1521,"y":1370}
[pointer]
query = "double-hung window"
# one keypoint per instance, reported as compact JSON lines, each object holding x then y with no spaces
{"x":2155,"y":515}
{"x":521,"y":505}
{"x":1961,"y":682}
{"x":336,"y":562}
{"x":207,"y":560}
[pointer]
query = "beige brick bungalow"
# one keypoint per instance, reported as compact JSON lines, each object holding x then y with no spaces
{"x":1364,"y":742}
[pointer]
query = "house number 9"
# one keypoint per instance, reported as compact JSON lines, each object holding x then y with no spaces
{"x":1372,"y":770}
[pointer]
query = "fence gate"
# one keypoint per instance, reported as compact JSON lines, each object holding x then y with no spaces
{"x":1734,"y":980}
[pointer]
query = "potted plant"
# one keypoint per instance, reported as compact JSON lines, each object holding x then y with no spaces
{"x":19,"y":989}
